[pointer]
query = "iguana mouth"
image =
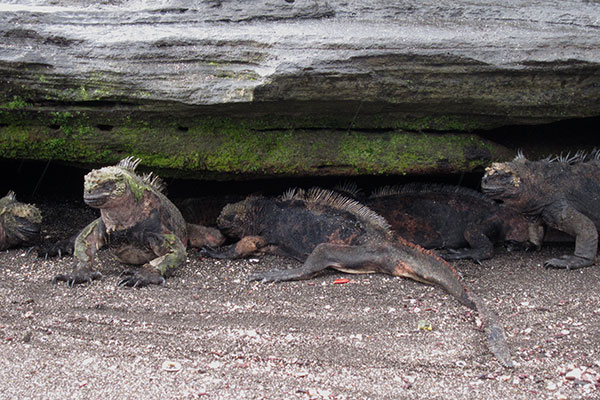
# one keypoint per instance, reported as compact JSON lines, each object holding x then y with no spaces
{"x":492,"y":190}
{"x":95,"y":200}
{"x":28,"y":227}
{"x":27,"y":230}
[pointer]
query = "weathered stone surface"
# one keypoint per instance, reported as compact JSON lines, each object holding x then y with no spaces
{"x":89,"y":81}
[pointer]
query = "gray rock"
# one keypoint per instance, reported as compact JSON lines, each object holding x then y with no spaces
{"x":279,"y":65}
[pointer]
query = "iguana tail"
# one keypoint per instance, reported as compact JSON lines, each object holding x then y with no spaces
{"x":423,"y":265}
{"x":495,"y":334}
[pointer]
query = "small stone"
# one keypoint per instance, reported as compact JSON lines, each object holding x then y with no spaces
{"x":252,"y":333}
{"x":574,"y":374}
{"x":424,"y":325}
{"x":171,"y":366}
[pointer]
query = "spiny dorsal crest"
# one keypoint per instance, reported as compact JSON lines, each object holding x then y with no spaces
{"x":579,"y":157}
{"x":388,"y":190}
{"x":154,"y":181}
{"x":11,"y":195}
{"x":130,"y":163}
{"x":292,"y":194}
{"x":424,"y":188}
{"x":348,"y":188}
{"x":520,"y":156}
{"x":338,"y":201}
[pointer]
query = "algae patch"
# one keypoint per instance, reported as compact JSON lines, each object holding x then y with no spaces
{"x":400,"y":152}
{"x":209,"y":147}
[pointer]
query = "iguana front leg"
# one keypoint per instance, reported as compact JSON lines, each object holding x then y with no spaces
{"x":243,"y":248}
{"x":481,"y":248}
{"x":87,"y":243}
{"x":171,"y":254}
{"x":576,"y":224}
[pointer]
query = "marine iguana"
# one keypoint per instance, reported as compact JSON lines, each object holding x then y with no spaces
{"x":322,"y":229}
{"x":452,"y":217}
{"x":137,"y":222}
{"x":19,"y":222}
{"x":563,"y":191}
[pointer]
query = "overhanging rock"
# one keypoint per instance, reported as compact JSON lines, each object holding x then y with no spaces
{"x":254,"y":88}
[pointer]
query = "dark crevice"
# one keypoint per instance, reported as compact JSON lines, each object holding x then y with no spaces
{"x":329,"y":129}
{"x":61,"y":180}
{"x":539,"y":141}
{"x":105,"y":128}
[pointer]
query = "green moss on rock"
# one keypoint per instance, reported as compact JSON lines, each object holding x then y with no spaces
{"x":212,"y":147}
{"x":400,"y":152}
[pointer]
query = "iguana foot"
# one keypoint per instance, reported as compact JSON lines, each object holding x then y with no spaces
{"x":461,"y":254}
{"x":208,"y":251}
{"x":568,"y":262}
{"x":512,"y":245}
{"x":138,"y":278}
{"x":83,"y":275}
{"x":60,"y":248}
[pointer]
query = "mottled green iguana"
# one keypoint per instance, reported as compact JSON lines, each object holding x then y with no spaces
{"x":139,"y":225}
{"x":19,"y":222}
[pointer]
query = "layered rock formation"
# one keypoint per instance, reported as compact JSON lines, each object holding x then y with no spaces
{"x":291,"y":87}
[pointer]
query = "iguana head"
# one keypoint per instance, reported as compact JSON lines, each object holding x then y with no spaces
{"x":104,"y":186}
{"x":19,"y":222}
{"x":232,"y":219}
{"x":502,"y":181}
{"x":108,"y":186}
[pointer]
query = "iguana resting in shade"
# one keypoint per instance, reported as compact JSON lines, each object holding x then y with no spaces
{"x":137,"y":222}
{"x":563,"y":191}
{"x":452,"y":217}
{"x":19,"y":222}
{"x":324,"y":229}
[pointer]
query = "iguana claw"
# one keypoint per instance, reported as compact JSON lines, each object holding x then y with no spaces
{"x":568,"y":262}
{"x":78,"y":276}
{"x":140,"y":278}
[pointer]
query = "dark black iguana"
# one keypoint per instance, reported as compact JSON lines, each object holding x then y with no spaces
{"x":438,"y":216}
{"x":19,"y":222}
{"x":137,"y":222}
{"x":562,"y":191}
{"x":325,"y":229}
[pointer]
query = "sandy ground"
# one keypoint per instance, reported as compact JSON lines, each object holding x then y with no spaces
{"x":210,"y":334}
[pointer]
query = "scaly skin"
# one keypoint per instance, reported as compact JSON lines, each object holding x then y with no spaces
{"x":325,"y":229}
{"x":19,"y":222}
{"x":137,"y":222}
{"x":451,"y":217}
{"x":563,"y":192}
